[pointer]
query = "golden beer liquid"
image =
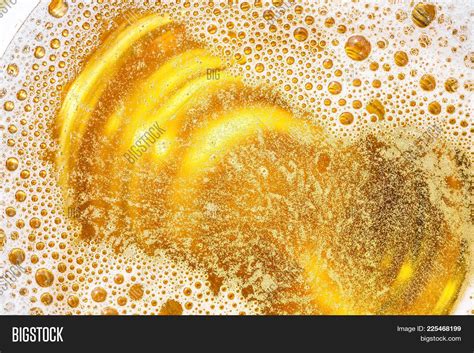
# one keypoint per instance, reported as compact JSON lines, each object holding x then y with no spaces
{"x":247,"y":198}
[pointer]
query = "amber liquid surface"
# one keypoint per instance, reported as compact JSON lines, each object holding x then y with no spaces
{"x":241,"y":158}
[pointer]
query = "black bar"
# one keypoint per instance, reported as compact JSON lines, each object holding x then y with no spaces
{"x":285,"y":334}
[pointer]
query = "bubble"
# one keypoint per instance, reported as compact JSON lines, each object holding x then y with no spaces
{"x":73,"y":301}
{"x":122,"y":301}
{"x":341,"y":29}
{"x":20,"y":196}
{"x":401,"y":58}
{"x":12,"y":69}
{"x":10,"y":211}
{"x":357,"y":48}
{"x":334,"y":87}
{"x":99,"y":294}
{"x":36,"y":311}
{"x":35,"y":222}
{"x":346,"y":118}
{"x":16,"y":256}
{"x":300,"y":34}
{"x":428,"y":82}
{"x":245,"y":6}
{"x":136,"y":292}
{"x":268,"y":15}
{"x":434,"y":108}
{"x":109,"y":311}
{"x":55,"y":43}
{"x":212,"y":29}
{"x":327,"y":64}
{"x":44,"y":277}
{"x":309,"y":20}
{"x":451,"y":85}
{"x":423,"y":14}
{"x":357,"y":104}
{"x":118,"y":278}
{"x":12,"y":164}
{"x":469,"y":60}
{"x":469,"y":85}
{"x":46,"y":298}
{"x":171,"y":307}
{"x":21,"y":95}
{"x":9,"y":106}
{"x":376,"y":107}
{"x":39,"y":52}
{"x":329,"y":22}
{"x":3,"y":239}
{"x":58,"y":8}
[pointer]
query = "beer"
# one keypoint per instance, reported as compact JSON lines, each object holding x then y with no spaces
{"x":267,"y":157}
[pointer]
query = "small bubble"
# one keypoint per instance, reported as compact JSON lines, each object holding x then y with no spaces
{"x":55,"y":43}
{"x":212,"y":29}
{"x":451,"y":85}
{"x":327,"y":64}
{"x":12,"y":70}
{"x":10,"y":212}
{"x":109,"y":311}
{"x":434,"y":108}
{"x":3,"y":239}
{"x":16,"y":256}
{"x":20,"y":196}
{"x":401,"y":58}
{"x":259,"y":67}
{"x":136,"y":292}
{"x":300,"y":34}
{"x":21,"y":95}
{"x":8,"y":106}
{"x":376,"y":107}
{"x":358,"y":48}
{"x":268,"y":15}
{"x":118,"y":278}
{"x":346,"y":118}
{"x":35,"y":223}
{"x":428,"y":82}
{"x":171,"y":307}
{"x":46,"y":298}
{"x":469,"y":60}
{"x":334,"y":87}
{"x":44,"y":277}
{"x":58,"y":8}
{"x":309,"y":20}
{"x":245,"y":6}
{"x":423,"y":14}
{"x":39,"y":52}
{"x":73,"y":301}
{"x":98,"y":294}
{"x":12,"y":164}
